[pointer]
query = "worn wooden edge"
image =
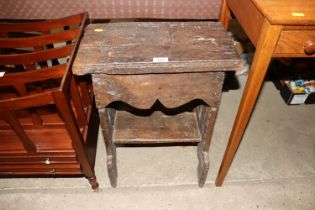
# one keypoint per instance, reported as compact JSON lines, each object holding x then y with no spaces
{"x":275,"y":20}
{"x":150,"y":104}
{"x":292,"y":55}
{"x":191,"y":135}
{"x":167,"y":67}
{"x":207,"y":88}
{"x":289,"y":22}
{"x":252,"y":21}
{"x":233,"y":63}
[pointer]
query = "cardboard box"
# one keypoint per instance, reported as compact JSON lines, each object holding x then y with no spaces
{"x":295,"y":79}
{"x":292,"y":97}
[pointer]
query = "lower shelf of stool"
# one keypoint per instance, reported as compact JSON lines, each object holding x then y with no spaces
{"x":156,"y":128}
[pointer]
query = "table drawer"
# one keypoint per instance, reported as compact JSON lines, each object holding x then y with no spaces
{"x":295,"y":43}
{"x":39,"y":164}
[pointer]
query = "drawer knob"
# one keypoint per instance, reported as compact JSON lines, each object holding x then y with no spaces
{"x":47,"y":161}
{"x":53,"y":171}
{"x":309,"y":47}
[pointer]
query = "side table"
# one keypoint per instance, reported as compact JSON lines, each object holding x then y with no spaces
{"x":157,"y":82}
{"x":277,"y":28}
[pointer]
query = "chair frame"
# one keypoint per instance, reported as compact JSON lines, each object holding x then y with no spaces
{"x":73,"y":99}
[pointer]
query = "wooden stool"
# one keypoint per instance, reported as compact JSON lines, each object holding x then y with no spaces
{"x":169,"y":74}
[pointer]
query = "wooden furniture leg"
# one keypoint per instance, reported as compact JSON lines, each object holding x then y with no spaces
{"x":64,"y":108}
{"x":266,"y":44}
{"x":107,"y":116}
{"x":208,"y":121}
{"x":225,"y":15}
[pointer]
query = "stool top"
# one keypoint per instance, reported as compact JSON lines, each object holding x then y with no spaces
{"x":155,"y":47}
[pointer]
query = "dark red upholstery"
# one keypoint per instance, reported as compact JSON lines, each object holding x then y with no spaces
{"x":111,"y":9}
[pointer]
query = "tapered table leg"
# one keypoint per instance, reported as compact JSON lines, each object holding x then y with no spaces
{"x":266,"y":44}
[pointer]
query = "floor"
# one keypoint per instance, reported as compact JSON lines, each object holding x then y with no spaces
{"x":273,"y":169}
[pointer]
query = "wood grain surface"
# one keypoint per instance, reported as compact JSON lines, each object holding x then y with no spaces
{"x":252,"y":21}
{"x":287,"y":12}
{"x":172,"y":90}
{"x":156,"y":128}
{"x":129,"y":48}
{"x":157,"y":68}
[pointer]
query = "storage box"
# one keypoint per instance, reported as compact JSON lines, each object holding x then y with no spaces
{"x":295,"y":79}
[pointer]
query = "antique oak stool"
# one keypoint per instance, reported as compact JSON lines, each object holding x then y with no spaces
{"x":142,"y":64}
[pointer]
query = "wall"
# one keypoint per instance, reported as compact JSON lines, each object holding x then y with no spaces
{"x":108,"y":9}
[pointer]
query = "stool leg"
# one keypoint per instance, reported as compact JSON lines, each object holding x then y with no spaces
{"x":203,"y":165}
{"x":111,"y":165}
{"x":107,"y":117}
{"x":207,"y":124}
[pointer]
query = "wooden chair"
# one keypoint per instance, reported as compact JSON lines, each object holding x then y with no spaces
{"x":48,"y":120}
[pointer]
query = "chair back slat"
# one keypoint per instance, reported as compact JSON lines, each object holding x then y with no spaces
{"x":39,"y":40}
{"x":41,"y":25}
{"x":34,"y":100}
{"x":33,"y":76}
{"x":37,"y":56}
{"x":29,"y":66}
